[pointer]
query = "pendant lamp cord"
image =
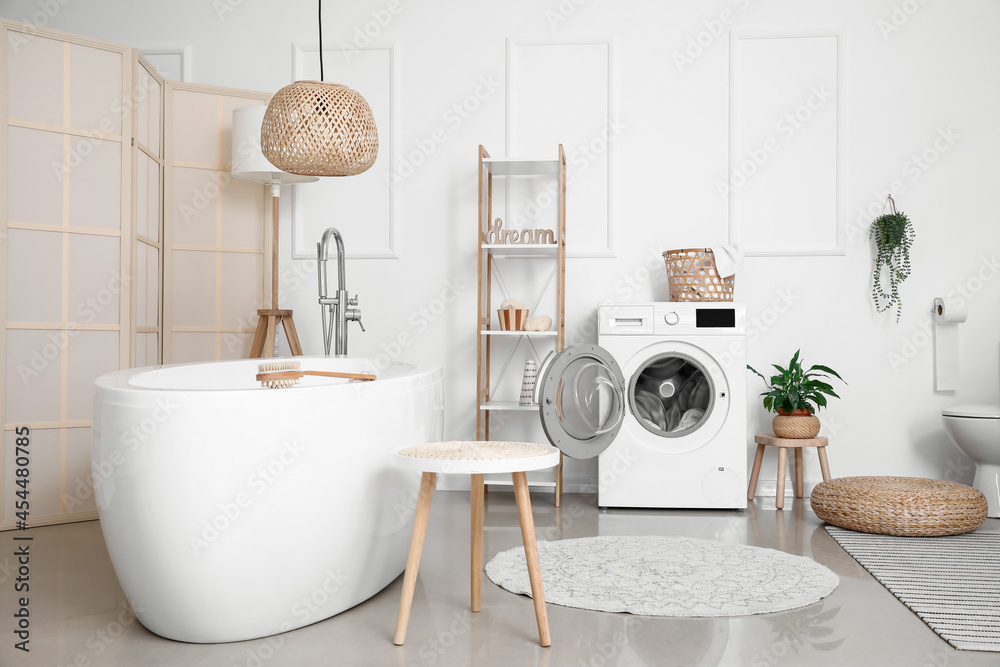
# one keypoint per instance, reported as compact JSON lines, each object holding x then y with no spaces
{"x":320,"y":40}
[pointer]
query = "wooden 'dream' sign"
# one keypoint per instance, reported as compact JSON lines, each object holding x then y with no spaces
{"x":500,"y":236}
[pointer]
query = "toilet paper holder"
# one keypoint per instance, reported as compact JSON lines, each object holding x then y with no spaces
{"x":947,"y":368}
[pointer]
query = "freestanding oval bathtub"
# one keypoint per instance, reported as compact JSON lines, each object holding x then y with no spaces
{"x":232,"y":511}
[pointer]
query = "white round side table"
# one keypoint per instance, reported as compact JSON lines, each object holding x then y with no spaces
{"x":476,"y":459}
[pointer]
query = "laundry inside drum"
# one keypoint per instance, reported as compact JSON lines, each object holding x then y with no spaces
{"x":671,"y":395}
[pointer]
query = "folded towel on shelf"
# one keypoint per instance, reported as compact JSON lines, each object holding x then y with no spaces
{"x":728,"y":259}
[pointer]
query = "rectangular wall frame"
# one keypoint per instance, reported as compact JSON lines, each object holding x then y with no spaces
{"x":574,"y":82}
{"x":368,"y":210}
{"x":786,"y":184}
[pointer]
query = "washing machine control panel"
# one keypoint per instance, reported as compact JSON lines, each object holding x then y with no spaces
{"x":675,"y":317}
{"x":699,"y":317}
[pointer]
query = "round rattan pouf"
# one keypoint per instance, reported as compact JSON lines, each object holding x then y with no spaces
{"x":909,"y":506}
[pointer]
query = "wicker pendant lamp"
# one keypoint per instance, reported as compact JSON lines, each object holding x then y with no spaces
{"x":315,"y":128}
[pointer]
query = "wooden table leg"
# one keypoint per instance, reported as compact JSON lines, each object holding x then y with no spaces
{"x":477,"y":541}
{"x":755,"y":473}
{"x":798,"y":473}
{"x":779,"y":500}
{"x":427,"y":481}
{"x":823,"y":464}
{"x":531,"y":554}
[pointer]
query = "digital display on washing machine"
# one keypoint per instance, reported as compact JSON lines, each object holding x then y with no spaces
{"x":715,"y":318}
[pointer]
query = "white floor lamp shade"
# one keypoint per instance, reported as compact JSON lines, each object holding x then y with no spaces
{"x":250,"y":164}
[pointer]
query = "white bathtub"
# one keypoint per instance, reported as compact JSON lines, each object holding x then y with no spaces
{"x":233,"y":512}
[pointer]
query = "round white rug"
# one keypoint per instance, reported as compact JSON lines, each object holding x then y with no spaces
{"x":666,"y":576}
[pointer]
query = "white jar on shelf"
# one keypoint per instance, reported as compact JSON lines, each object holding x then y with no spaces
{"x":528,"y":382}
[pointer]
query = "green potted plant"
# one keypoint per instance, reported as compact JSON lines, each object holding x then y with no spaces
{"x":795,"y":394}
{"x":893,"y":234}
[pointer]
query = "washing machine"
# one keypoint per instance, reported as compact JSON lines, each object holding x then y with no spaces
{"x":660,"y":400}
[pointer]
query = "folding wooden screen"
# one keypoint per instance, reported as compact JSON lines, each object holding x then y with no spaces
{"x":217,"y":257}
{"x":147,"y":213}
{"x":66,"y":179}
{"x":123,"y":243}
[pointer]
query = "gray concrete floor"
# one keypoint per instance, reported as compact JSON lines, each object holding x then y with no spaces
{"x":77,"y":605}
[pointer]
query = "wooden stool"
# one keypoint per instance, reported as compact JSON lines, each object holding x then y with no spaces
{"x":263,"y":338}
{"x":783,"y":444}
{"x":476,"y":459}
{"x":268,"y":319}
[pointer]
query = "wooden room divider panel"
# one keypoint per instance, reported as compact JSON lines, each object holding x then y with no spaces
{"x":65,"y":174}
{"x":123,"y":243}
{"x":147,"y":212}
{"x":217,"y":258}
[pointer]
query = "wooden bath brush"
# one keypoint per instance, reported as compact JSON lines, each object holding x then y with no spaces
{"x":282,"y":374}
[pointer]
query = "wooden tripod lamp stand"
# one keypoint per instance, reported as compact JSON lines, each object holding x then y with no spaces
{"x":250,"y":164}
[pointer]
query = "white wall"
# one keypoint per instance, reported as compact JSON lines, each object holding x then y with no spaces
{"x":935,"y":71}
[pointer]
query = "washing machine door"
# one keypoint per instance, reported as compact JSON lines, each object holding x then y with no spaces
{"x":581,"y":395}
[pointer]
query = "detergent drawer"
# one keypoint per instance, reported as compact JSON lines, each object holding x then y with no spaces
{"x":626,"y":320}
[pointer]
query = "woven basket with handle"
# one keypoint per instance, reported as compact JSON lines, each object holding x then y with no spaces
{"x":908,"y":506}
{"x":693,"y":276}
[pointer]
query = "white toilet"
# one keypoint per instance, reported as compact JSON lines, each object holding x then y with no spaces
{"x":975,"y":429}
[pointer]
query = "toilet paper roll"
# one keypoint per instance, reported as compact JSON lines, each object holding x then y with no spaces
{"x":947,"y":317}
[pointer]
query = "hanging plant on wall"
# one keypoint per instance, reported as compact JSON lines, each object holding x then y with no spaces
{"x":893,"y":234}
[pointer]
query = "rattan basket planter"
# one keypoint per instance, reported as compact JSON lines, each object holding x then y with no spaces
{"x":693,"y":276}
{"x":908,"y":506}
{"x":795,"y":426}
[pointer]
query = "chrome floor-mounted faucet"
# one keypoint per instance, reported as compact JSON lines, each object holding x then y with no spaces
{"x":336,"y":311}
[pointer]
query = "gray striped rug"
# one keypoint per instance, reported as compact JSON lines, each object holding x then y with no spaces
{"x":952,"y":583}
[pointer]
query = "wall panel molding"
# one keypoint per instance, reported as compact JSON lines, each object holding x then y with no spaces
{"x":786,"y":185}
{"x":170,"y":63}
{"x":365,"y":208}
{"x":578,"y":110}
